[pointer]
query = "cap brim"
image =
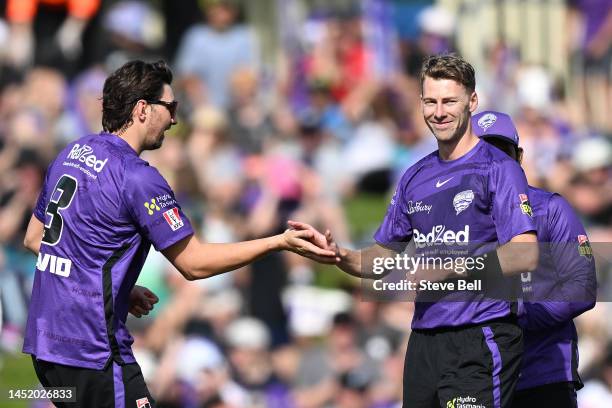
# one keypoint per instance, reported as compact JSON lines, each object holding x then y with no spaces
{"x":501,"y":138}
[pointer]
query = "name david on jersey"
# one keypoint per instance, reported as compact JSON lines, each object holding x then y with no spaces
{"x":439,"y":235}
{"x":85,"y":155}
{"x":54,"y":264}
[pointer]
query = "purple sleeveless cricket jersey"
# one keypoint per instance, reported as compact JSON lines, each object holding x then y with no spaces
{"x":478,"y":199}
{"x":565,"y":274}
{"x":102,"y":207}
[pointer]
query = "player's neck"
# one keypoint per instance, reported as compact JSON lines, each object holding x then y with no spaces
{"x":456,"y":149}
{"x":130,"y":135}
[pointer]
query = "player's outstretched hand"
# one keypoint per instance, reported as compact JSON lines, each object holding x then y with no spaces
{"x":325,"y":241}
{"x":307,"y":243}
{"x":141,"y":301}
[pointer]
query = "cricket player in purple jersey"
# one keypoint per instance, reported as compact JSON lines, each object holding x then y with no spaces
{"x":563,"y":286}
{"x":463,"y":351}
{"x":100,"y":210}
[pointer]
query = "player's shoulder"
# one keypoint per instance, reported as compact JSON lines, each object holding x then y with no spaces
{"x":559,"y":204}
{"x":423,"y":163}
{"x":550,"y":198}
{"x":140,"y":171}
{"x":412,"y":171}
{"x":554,"y":204}
{"x":540,"y":196}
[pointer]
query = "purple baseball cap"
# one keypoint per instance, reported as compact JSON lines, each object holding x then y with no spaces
{"x":495,"y":124}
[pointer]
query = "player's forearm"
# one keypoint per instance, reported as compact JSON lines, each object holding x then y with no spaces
{"x":216,"y":259}
{"x":33,"y":246}
{"x":516,"y":257}
{"x":569,"y":300}
{"x":350,"y":262}
{"x":196,"y":260}
{"x":544,"y":315}
{"x":33,"y":235}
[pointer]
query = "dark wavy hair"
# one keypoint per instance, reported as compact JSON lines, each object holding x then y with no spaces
{"x":449,"y":66}
{"x":135,"y":80}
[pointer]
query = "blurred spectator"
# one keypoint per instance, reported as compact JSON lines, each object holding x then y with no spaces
{"x":213,"y":51}
{"x":249,"y":121}
{"x":248,"y":342}
{"x":590,"y":25}
{"x":47,"y":31}
{"x":46,"y":95}
{"x":340,"y":58}
{"x":85,"y":103}
{"x":437,"y":30}
{"x":369,"y":154}
{"x":591,"y":188}
{"x":18,"y":198}
{"x":135,"y":31}
{"x":216,"y":162}
{"x":178,"y":17}
{"x":333,"y":118}
{"x":496,"y":78}
{"x":598,"y":391}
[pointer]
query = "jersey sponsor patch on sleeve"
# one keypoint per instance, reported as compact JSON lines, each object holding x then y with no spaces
{"x":584,"y":247}
{"x":525,"y":205}
{"x":159,"y":202}
{"x":151,"y":207}
{"x":173,"y":218}
{"x":143,"y":403}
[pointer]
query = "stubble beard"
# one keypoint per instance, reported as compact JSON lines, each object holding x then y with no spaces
{"x":159,"y":140}
{"x":457,"y":133}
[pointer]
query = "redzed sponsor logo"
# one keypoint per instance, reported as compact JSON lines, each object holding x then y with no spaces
{"x":439,"y":235}
{"x":143,"y":403}
{"x":173,"y":218}
{"x":85,"y":154}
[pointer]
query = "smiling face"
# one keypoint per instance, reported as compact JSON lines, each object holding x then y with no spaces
{"x":447,"y":106}
{"x":160,"y":121}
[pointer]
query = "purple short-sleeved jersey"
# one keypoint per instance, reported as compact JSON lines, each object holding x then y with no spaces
{"x":566,"y":275}
{"x":102,"y":207}
{"x":480,"y":198}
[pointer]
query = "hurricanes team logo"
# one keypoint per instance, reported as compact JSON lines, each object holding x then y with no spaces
{"x":463,"y":200}
{"x":486,"y":121}
{"x":525,"y":206}
{"x":151,"y":206}
{"x":451,"y":403}
{"x":584,"y":247}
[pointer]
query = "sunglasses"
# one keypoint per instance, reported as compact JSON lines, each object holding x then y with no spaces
{"x":171,"y":106}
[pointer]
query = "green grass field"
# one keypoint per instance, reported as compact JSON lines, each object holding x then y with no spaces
{"x":16,"y":372}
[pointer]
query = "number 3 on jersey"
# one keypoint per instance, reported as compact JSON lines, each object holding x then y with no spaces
{"x":61,"y":198}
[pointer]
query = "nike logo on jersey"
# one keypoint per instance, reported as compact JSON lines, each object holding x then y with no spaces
{"x":441,"y":183}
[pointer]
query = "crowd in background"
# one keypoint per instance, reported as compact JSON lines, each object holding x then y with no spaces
{"x":333,"y":117}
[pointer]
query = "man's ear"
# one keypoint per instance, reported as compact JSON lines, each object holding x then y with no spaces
{"x":519,"y":155}
{"x":473,"y":102}
{"x":140,"y":110}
